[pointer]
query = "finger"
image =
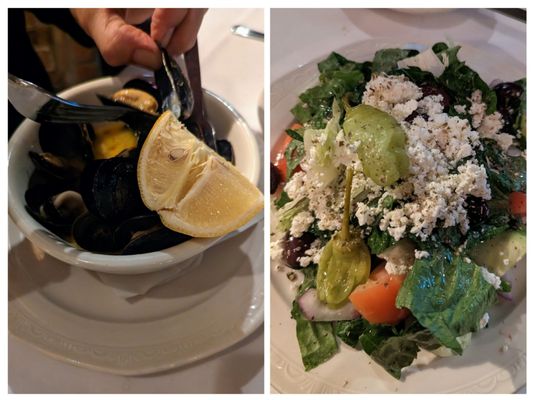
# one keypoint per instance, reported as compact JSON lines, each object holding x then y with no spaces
{"x":121,"y":43}
{"x":164,"y":21}
{"x":136,"y":16}
{"x":184,"y":35}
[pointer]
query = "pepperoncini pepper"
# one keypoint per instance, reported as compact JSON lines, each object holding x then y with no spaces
{"x":345,"y":260}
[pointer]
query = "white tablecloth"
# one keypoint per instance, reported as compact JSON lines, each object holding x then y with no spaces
{"x":298,"y":36}
{"x":233,"y":68}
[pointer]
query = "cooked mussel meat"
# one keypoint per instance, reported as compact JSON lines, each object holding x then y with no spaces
{"x":137,"y":99}
{"x":64,"y":207}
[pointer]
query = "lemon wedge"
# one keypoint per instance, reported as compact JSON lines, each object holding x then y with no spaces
{"x":193,"y":189}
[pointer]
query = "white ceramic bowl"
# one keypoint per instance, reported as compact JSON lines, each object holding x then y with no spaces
{"x":228,"y":124}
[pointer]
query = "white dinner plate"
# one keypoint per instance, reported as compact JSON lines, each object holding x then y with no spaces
{"x":496,"y":360}
{"x":70,"y":315}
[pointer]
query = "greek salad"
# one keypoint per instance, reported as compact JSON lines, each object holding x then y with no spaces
{"x":399,"y":204}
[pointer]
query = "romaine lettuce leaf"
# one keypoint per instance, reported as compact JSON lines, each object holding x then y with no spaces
{"x":461,"y":81}
{"x":339,"y":78}
{"x":447,"y":295}
{"x":316,"y":339}
{"x":386,"y":60}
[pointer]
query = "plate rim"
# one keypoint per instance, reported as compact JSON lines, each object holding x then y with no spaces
{"x":31,"y":331}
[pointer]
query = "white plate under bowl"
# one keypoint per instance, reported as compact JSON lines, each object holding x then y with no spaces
{"x":496,"y":360}
{"x":227,"y":123}
{"x":68,"y":314}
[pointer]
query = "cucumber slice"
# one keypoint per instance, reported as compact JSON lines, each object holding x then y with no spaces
{"x":500,"y":253}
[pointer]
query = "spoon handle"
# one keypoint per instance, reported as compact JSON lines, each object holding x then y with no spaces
{"x":198,"y":115}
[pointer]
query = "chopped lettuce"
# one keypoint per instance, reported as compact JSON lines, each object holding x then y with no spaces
{"x":321,"y":142}
{"x":289,"y":211}
{"x":447,"y":295}
{"x":316,"y":339}
{"x":461,"y":81}
{"x":339,"y":79}
{"x":387,"y":59}
{"x":392,"y":347}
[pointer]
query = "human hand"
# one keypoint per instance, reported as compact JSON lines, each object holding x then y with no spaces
{"x":121,"y":43}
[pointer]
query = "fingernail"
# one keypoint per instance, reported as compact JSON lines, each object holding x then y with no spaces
{"x":146,"y":58}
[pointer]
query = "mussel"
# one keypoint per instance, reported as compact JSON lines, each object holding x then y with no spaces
{"x":84,"y":187}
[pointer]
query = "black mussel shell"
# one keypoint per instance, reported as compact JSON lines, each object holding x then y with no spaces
{"x":94,"y":234}
{"x":110,"y":190}
{"x":128,"y":228}
{"x":64,"y":207}
{"x":71,"y":141}
{"x":225,"y":149}
{"x":175,"y":92}
{"x":56,"y":166}
{"x":154,"y":240}
{"x":38,"y":193}
{"x":145,"y":86}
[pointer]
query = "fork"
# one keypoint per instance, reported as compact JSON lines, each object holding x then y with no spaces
{"x":40,"y":105}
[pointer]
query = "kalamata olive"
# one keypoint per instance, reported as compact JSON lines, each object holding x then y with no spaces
{"x":508,"y":96}
{"x":477,"y":210}
{"x":275,"y":178}
{"x":429,"y":90}
{"x":508,"y":89}
{"x":295,"y":247}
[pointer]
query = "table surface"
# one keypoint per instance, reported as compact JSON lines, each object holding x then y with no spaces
{"x":319,"y":31}
{"x":233,"y":68}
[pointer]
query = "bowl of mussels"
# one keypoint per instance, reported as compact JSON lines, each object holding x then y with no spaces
{"x":73,"y":189}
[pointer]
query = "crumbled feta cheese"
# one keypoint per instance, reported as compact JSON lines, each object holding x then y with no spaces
{"x":491,"y":278}
{"x":312,"y":255}
{"x":396,"y":269}
{"x":295,"y":187}
{"x":419,"y":254}
{"x":431,"y":105}
{"x":484,"y":321}
{"x":395,"y":95}
{"x":300,"y":223}
{"x":488,"y":126}
{"x":461,"y":109}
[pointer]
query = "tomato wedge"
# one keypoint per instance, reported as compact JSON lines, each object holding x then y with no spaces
{"x":277,"y":154}
{"x":517,"y":204}
{"x":375,"y":300}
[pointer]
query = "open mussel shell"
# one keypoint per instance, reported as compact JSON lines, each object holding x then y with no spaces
{"x":64,"y":207}
{"x":155,"y":239}
{"x":138,"y":223}
{"x":145,"y":86}
{"x":175,"y":92}
{"x":56,"y":166}
{"x":110,"y":190}
{"x":71,"y":141}
{"x":94,"y":234}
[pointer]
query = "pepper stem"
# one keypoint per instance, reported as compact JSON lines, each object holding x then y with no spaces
{"x":345,"y":230}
